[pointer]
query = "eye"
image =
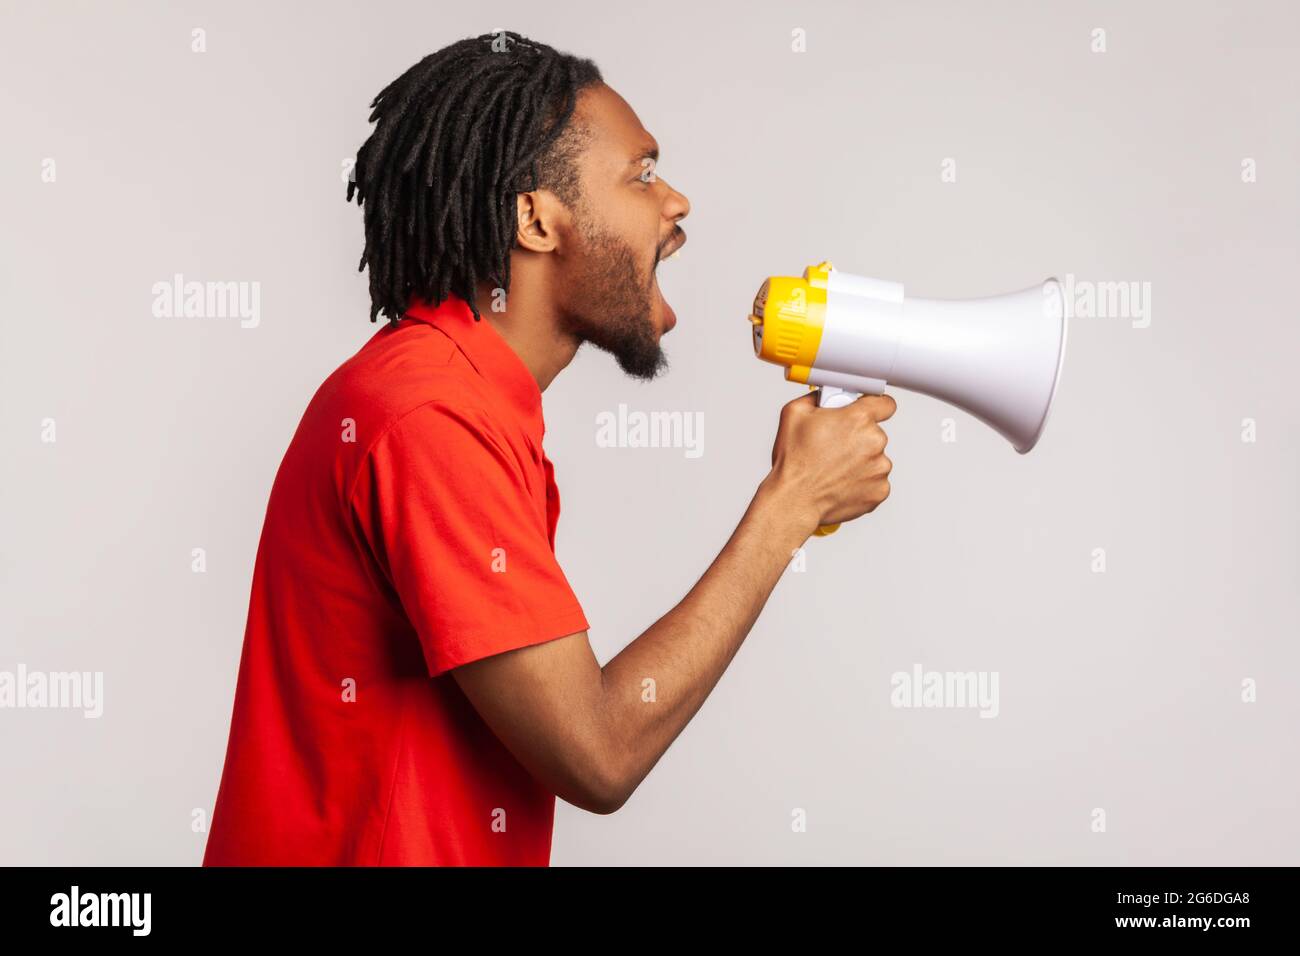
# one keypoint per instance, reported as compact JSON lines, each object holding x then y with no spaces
{"x":648,"y":167}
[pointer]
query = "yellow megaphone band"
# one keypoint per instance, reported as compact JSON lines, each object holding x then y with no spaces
{"x":788,"y":317}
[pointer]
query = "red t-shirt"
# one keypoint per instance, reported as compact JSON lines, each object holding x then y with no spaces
{"x":410,"y":529}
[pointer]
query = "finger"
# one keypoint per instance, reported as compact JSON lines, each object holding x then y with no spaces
{"x":803,"y":402}
{"x":879,"y":407}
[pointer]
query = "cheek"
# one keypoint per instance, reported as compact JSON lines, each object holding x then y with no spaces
{"x":632,"y":219}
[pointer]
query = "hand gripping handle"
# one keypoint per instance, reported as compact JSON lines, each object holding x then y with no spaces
{"x":830,"y":396}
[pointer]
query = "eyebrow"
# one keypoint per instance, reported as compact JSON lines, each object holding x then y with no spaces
{"x":648,"y":150}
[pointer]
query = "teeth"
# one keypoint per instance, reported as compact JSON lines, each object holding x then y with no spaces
{"x":676,"y":253}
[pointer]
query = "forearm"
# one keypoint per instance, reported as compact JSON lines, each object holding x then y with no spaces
{"x":654,"y":686}
{"x":592,"y":734}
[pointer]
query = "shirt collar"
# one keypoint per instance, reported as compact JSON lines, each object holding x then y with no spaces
{"x":490,"y":354}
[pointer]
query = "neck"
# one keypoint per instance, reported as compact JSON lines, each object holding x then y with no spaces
{"x":531,"y":326}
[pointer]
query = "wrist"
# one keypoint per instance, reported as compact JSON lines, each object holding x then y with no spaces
{"x":784,"y":506}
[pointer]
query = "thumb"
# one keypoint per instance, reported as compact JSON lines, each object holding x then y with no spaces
{"x":799,"y":406}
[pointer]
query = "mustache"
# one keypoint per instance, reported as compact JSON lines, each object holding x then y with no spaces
{"x":673,"y":237}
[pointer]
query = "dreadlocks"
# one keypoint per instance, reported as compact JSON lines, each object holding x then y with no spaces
{"x":457,"y":136}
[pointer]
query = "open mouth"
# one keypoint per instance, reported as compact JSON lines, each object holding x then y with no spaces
{"x":670,"y":251}
{"x":670,"y":317}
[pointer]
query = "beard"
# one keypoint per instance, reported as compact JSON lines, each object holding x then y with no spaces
{"x":617,"y":305}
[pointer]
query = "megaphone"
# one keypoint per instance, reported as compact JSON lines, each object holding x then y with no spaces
{"x":998,"y":358}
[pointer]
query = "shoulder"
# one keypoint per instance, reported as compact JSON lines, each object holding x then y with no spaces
{"x":410,"y":375}
{"x":408,"y":403}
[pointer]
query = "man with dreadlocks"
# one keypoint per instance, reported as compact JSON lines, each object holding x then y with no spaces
{"x":416,"y":684}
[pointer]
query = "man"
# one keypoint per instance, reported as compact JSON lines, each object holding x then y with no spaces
{"x":416,"y":684}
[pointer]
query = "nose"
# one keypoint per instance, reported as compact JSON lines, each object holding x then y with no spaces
{"x":676,"y":206}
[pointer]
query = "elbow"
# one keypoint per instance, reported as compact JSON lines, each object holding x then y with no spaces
{"x":602,"y":805}
{"x":601,"y":787}
{"x":598,"y":769}
{"x":605,"y":802}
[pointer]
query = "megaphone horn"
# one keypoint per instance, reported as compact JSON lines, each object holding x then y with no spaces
{"x":999,"y":358}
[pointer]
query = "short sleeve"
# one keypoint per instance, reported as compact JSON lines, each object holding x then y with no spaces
{"x":461,"y":533}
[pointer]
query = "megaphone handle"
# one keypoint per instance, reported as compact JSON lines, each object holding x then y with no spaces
{"x":831,"y":396}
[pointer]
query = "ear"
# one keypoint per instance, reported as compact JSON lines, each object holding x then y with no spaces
{"x":540,"y":218}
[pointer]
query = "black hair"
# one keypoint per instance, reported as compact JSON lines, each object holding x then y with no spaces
{"x":456,"y":137}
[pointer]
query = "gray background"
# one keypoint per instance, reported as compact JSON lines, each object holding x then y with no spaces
{"x":1119,"y":690}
